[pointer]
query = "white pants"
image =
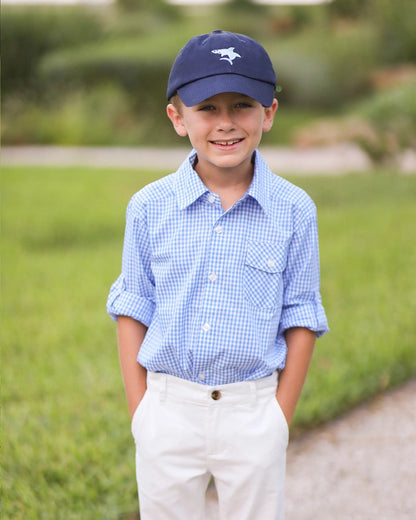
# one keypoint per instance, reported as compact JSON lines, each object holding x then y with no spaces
{"x":185,"y":432}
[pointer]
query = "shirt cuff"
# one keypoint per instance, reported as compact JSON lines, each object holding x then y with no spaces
{"x":123,"y":303}
{"x":308,"y":315}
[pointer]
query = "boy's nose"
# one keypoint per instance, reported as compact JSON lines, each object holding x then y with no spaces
{"x":225,"y":120}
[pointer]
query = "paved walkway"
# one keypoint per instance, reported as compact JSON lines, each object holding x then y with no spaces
{"x":360,"y":467}
{"x":326,"y":160}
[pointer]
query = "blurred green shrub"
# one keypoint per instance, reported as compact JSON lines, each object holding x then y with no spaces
{"x":126,"y":62}
{"x":248,"y":7}
{"x":138,"y":66}
{"x":325,"y":69}
{"x":394,"y":20}
{"x":69,"y":121}
{"x":396,"y":23}
{"x":348,"y":8}
{"x":29,"y":33}
{"x":392,"y":114}
{"x":383,"y":124}
{"x":160,"y":7}
{"x":102,"y":115}
{"x":109,"y":60}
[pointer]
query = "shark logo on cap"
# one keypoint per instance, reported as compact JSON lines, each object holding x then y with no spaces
{"x":227,"y":54}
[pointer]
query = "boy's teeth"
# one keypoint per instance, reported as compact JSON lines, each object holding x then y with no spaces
{"x":227,"y":143}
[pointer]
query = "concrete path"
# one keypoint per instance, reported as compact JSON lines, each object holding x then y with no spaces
{"x":326,"y":160}
{"x":360,"y":467}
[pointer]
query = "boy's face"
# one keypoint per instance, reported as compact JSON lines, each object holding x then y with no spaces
{"x":224,"y":129}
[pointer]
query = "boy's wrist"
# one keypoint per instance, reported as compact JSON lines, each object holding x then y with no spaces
{"x":135,"y":403}
{"x":288,"y":410}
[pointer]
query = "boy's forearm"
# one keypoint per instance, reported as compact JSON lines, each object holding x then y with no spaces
{"x":300,"y":345}
{"x":130,"y":337}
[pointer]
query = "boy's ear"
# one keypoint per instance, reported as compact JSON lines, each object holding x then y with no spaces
{"x":177,"y":120}
{"x":269,"y":116}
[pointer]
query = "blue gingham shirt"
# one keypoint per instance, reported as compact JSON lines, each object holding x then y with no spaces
{"x":217,"y":289}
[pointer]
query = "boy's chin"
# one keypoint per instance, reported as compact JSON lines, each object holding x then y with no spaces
{"x":225,"y":163}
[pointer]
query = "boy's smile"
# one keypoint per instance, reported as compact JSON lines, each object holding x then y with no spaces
{"x":224,"y":130}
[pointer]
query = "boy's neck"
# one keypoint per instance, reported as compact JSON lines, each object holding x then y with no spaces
{"x":230,"y":184}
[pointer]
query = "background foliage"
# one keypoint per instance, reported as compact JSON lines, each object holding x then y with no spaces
{"x":60,"y":65}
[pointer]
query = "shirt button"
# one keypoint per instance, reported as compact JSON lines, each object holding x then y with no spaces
{"x":212,"y":277}
{"x":211,"y":198}
{"x":206,"y":327}
{"x":218,"y":229}
{"x":271,"y":263}
{"x":216,"y":394}
{"x":201,"y":376}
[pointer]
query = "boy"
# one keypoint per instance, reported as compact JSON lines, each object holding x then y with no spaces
{"x":218,"y":303}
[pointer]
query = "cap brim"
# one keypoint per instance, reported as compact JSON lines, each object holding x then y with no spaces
{"x":204,"y":88}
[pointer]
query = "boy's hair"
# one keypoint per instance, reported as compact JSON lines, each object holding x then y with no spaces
{"x":176,"y":102}
{"x":219,"y":62}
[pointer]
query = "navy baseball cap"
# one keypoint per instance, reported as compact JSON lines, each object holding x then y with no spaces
{"x":218,"y":62}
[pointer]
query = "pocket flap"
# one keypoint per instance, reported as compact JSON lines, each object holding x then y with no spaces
{"x":268,"y":257}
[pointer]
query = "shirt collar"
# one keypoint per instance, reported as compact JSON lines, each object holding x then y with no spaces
{"x":189,"y":187}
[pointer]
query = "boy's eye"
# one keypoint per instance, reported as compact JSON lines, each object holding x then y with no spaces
{"x":243,"y":104}
{"x":206,"y":108}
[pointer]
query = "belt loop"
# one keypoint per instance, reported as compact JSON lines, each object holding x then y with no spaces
{"x":163,"y":388}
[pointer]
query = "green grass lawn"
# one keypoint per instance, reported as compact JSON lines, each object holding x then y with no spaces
{"x":67,"y":452}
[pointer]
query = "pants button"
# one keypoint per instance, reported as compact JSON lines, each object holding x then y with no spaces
{"x":216,"y":394}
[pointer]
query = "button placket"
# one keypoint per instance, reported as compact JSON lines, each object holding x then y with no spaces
{"x":218,"y":229}
{"x":212,"y":276}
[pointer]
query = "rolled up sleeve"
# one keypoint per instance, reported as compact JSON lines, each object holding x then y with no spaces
{"x":302,"y":306}
{"x":132,"y":294}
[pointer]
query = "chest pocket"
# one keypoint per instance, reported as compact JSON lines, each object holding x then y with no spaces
{"x":262,"y":277}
